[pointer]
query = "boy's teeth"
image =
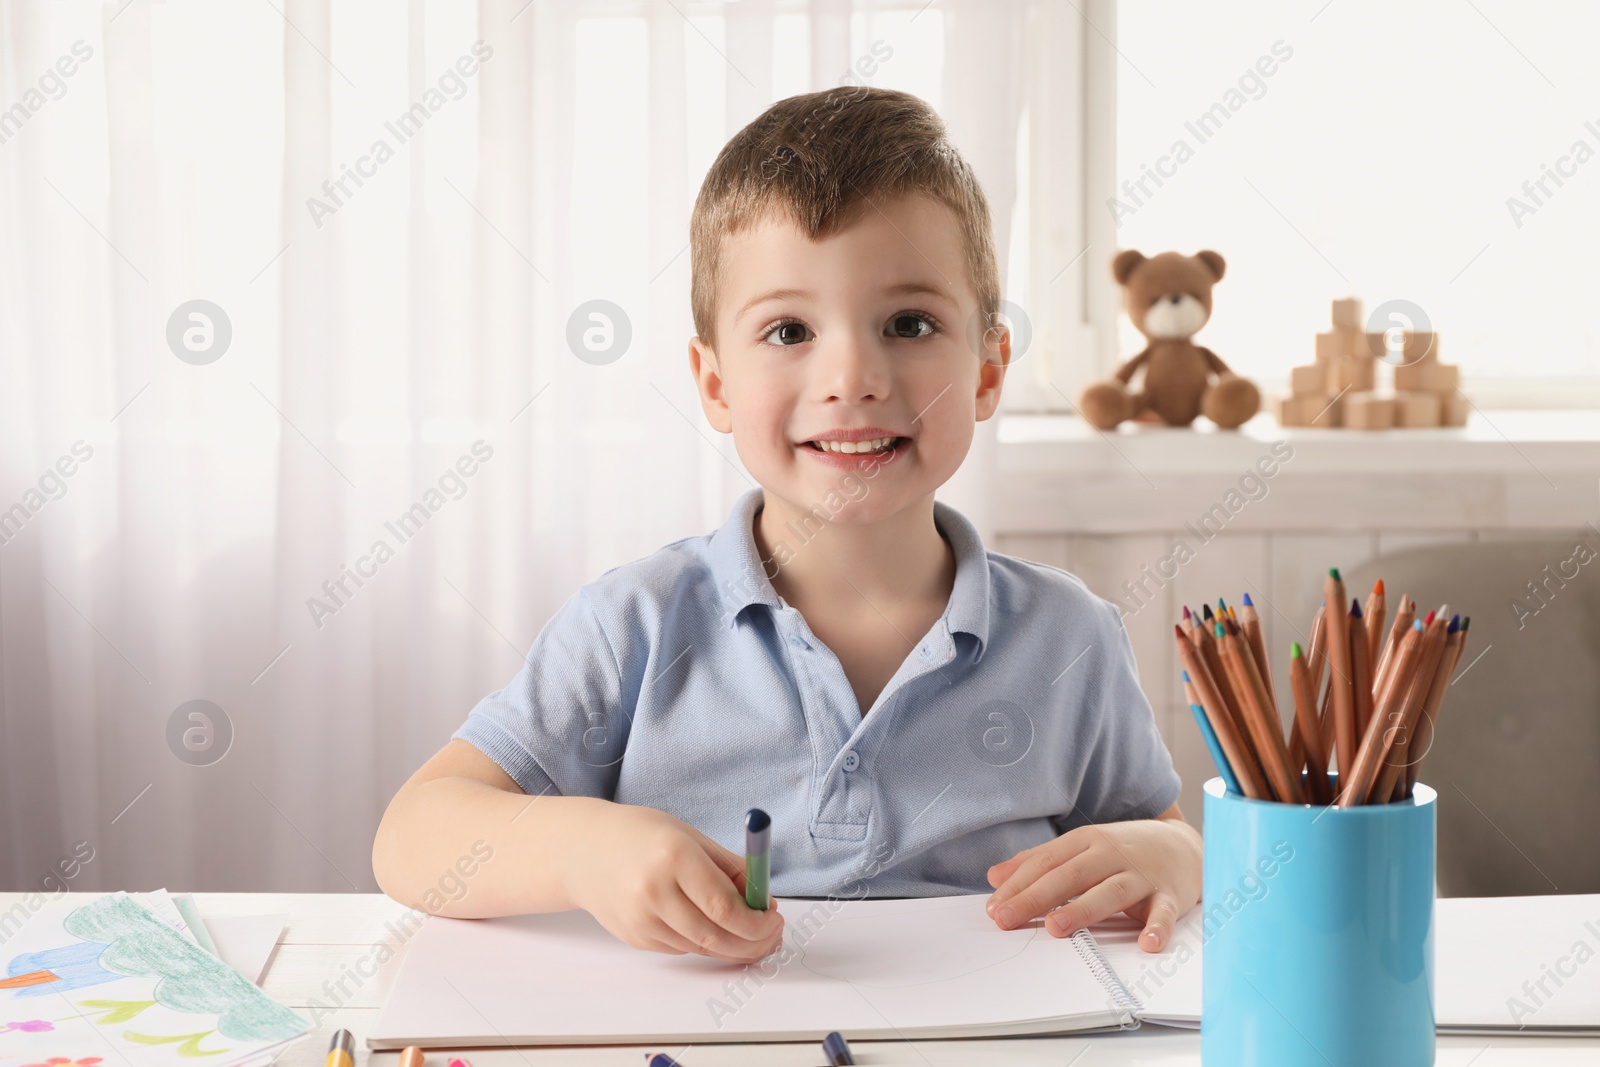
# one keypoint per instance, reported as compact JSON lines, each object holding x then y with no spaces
{"x":849,"y":447}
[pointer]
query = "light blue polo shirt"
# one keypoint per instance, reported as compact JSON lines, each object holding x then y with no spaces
{"x":683,"y":682}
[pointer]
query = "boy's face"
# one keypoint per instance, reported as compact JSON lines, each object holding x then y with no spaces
{"x":867,"y":333}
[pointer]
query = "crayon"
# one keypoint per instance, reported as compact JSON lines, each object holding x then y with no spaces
{"x":341,"y":1050}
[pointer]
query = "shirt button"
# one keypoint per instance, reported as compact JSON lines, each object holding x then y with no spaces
{"x":799,"y":642}
{"x":851,"y":760}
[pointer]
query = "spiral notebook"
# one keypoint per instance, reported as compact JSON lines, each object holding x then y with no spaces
{"x":876,"y":969}
{"x":932,"y":968}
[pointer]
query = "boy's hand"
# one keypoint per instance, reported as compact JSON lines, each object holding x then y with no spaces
{"x":660,"y":884}
{"x":1148,"y":868}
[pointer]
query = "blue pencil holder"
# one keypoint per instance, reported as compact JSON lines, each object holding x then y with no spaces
{"x":1318,"y":932}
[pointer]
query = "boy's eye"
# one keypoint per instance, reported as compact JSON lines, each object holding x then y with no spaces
{"x":788,"y":332}
{"x":912,"y":324}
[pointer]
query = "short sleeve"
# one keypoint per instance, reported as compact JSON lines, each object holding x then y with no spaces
{"x":561,"y":725}
{"x":1128,"y":773}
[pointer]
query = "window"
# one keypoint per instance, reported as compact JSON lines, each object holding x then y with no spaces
{"x":1448,"y":155}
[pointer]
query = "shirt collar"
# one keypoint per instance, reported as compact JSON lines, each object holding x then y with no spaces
{"x":741,"y":574}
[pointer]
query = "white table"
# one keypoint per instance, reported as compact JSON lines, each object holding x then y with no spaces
{"x":334,"y":936}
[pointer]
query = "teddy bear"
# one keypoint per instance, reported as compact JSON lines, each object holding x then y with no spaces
{"x":1168,"y":298}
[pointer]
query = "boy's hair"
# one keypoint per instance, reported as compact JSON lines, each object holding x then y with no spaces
{"x":823,"y":158}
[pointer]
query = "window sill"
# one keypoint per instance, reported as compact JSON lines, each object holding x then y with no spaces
{"x":1504,"y":469}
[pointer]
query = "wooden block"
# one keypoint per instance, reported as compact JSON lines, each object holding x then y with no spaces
{"x":1342,"y":344}
{"x":1330,"y":414}
{"x":1347,"y":313}
{"x":1454,"y":408}
{"x":1310,"y":380}
{"x":1377,"y":344}
{"x":1358,"y":375}
{"x":1317,"y":411}
{"x":1292,"y":410}
{"x":1421,"y":347}
{"x":1368,"y":411}
{"x":1415,"y":410}
{"x":1428,"y":376}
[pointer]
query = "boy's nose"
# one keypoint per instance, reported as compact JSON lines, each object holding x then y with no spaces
{"x":854,"y":368}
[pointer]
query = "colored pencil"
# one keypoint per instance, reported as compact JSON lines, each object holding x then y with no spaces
{"x":1360,"y":668}
{"x":1356,"y":783}
{"x":1251,"y":622}
{"x":1297,"y":744}
{"x":1207,"y":647}
{"x":1377,"y":608}
{"x":1455,"y":645}
{"x":1218,"y":757}
{"x":1392,"y":768}
{"x":1224,"y":725}
{"x":1343,"y":694}
{"x":1319,"y":644}
{"x":1404,"y":616}
{"x":1208,"y":735}
{"x":1374,"y":719}
{"x":1262,"y":725}
{"x":1305,"y":716}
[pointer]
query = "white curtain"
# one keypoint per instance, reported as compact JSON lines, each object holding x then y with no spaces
{"x":181,"y":526}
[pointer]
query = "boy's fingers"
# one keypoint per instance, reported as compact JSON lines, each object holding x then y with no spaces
{"x":714,"y":897}
{"x":727,"y":862}
{"x":1002,"y":870}
{"x":657,"y":936}
{"x":1017,"y":902}
{"x":1099,"y":902}
{"x":706,"y":936}
{"x":1159,"y":922}
{"x":1028,"y":865}
{"x":1035,"y":862}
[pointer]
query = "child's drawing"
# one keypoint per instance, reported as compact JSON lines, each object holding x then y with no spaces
{"x":118,"y":944}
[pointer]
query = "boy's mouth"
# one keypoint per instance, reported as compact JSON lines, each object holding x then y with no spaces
{"x":850,"y":447}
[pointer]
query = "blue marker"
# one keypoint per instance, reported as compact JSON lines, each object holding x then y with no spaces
{"x":660,"y":1059}
{"x":838,"y":1053}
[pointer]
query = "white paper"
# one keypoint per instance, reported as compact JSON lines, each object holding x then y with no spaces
{"x":1517,"y":964}
{"x":245,"y":942}
{"x":190,"y":911}
{"x":1166,"y":983}
{"x":875,"y":969}
{"x":1500,"y":965}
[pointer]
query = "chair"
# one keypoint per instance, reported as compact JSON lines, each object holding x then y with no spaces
{"x":1516,"y":756}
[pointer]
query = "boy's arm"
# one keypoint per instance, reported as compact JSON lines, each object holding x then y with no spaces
{"x":458,"y":807}
{"x":461,"y":839}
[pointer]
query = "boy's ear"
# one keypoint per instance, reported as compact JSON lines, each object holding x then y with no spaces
{"x":707,"y":373}
{"x":995,"y":358}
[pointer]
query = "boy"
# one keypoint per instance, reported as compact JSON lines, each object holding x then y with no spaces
{"x":918,"y":715}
